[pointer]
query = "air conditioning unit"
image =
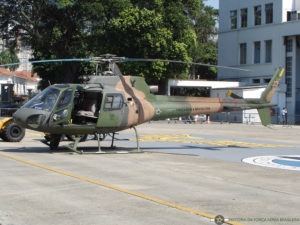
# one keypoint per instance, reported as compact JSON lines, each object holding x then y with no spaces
{"x":293,"y":15}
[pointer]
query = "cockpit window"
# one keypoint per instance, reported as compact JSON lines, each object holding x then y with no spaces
{"x":44,"y":100}
{"x":65,"y":98}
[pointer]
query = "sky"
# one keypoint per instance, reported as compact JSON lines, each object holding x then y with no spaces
{"x":213,"y":3}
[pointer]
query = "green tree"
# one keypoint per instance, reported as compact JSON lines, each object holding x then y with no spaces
{"x":86,"y":28}
{"x":9,"y":56}
{"x":206,"y":50}
{"x":151,"y":40}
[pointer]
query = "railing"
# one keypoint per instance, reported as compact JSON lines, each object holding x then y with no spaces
{"x":7,"y":112}
{"x":253,"y":118}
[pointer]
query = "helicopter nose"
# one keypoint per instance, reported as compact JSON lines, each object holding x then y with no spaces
{"x":29,"y":118}
{"x":19,"y":117}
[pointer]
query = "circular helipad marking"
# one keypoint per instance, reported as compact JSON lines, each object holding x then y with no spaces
{"x":287,"y":162}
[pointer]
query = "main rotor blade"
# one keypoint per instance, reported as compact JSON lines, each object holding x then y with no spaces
{"x":182,"y":62}
{"x":47,"y":61}
{"x":112,"y":59}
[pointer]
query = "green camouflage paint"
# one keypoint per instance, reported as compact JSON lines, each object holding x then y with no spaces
{"x":137,"y":105}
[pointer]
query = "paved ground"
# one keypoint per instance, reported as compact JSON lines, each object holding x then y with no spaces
{"x":187,"y":174}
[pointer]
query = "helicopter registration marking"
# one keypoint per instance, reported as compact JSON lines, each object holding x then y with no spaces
{"x":162,"y":202}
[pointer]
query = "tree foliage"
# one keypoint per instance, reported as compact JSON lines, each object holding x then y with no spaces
{"x":179,"y":29}
{"x":206,"y":50}
{"x":9,"y":56}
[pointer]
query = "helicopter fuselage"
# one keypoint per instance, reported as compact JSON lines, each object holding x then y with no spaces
{"x":107,"y":104}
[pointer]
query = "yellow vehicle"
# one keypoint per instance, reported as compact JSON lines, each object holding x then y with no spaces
{"x":10,"y":131}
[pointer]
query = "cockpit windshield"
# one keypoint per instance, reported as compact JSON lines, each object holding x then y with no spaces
{"x":44,"y":100}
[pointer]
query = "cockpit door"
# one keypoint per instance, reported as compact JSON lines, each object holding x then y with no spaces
{"x":112,"y":111}
{"x":62,"y":112}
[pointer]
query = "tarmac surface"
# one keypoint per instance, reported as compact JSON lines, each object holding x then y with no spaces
{"x":187,"y":174}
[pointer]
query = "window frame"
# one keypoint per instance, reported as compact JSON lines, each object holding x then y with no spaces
{"x":268,"y":51}
{"x":269,"y":13}
{"x":244,"y":18}
{"x":243,"y":53}
{"x":256,"y":81}
{"x":111,"y":102}
{"x":257,"y":15}
{"x":289,"y":45}
{"x":233,"y":19}
{"x":289,"y":75}
{"x":257,"y":52}
{"x":67,"y":94}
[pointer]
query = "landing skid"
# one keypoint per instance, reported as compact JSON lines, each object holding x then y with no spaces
{"x":74,"y":146}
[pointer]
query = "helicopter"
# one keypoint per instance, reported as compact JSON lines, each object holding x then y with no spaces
{"x":110,"y":102}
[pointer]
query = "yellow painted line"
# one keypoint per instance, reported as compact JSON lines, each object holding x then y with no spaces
{"x":186,"y":138}
{"x":35,"y":134}
{"x":162,"y":202}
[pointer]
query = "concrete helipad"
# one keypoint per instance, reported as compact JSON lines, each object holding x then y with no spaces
{"x":188,"y":174}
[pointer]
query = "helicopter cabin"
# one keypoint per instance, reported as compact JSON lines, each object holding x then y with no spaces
{"x":87,"y":104}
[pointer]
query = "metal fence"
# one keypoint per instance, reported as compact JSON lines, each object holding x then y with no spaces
{"x":253,"y":118}
{"x":234,"y":117}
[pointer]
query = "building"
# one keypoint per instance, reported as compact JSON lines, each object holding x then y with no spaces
{"x":199,"y":84}
{"x":23,"y":81}
{"x":24,"y":54}
{"x":262,"y":35}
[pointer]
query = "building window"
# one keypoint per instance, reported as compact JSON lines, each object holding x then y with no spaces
{"x":267,"y":80}
{"x":268,"y":58}
{"x":233,"y":19}
{"x":288,"y":80}
{"x":244,"y":17}
{"x":293,"y":15}
{"x":257,"y":15}
{"x":269,"y":13}
{"x":243,"y":53}
{"x":256,"y":81}
{"x":257,"y":52}
{"x":289,"y":45}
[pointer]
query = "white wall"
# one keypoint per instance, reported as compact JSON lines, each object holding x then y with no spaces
{"x":20,"y":84}
{"x":297,"y":4}
{"x":24,"y":55}
{"x":227,"y":5}
{"x":200,"y":83}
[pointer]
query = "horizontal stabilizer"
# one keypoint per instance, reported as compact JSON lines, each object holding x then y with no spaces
{"x":232,"y":95}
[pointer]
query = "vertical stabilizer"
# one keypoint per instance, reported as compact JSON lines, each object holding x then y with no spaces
{"x":268,"y":93}
{"x":266,"y":97}
{"x":265,"y":116}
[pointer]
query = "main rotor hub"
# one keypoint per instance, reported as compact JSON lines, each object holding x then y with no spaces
{"x":107,"y":58}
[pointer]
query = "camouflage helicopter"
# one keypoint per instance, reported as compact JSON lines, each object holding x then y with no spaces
{"x":111,"y":102}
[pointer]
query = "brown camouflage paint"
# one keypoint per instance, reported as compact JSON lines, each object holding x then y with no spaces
{"x":140,"y":109}
{"x":275,"y":84}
